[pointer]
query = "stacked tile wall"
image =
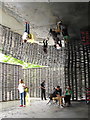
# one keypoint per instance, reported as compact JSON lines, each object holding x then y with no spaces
{"x":9,"y":79}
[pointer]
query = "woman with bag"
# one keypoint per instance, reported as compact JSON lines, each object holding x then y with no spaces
{"x":22,"y":92}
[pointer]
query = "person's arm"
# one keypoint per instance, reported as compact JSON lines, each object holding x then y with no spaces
{"x":61,"y":92}
{"x":43,"y":87}
{"x":25,"y":86}
{"x":70,"y":91}
{"x":57,"y":94}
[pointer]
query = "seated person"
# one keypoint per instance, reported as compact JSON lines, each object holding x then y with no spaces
{"x":57,"y":95}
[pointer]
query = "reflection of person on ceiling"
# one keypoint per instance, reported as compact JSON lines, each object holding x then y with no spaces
{"x":26,"y":35}
{"x":55,"y":33}
{"x":45,"y":45}
{"x":63,"y":30}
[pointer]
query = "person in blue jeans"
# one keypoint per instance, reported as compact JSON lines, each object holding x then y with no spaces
{"x":21,"y":88}
{"x":26,"y":35}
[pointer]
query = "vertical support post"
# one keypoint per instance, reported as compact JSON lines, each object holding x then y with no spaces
{"x":72,"y":71}
{"x":75,"y":72}
{"x":1,"y":83}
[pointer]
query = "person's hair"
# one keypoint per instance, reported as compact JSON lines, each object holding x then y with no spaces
{"x":25,"y":41}
{"x":21,"y":81}
{"x":68,"y":86}
{"x":58,"y":86}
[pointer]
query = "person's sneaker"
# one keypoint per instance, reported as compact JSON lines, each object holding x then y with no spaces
{"x":61,"y":106}
{"x":24,"y":105}
{"x":20,"y":105}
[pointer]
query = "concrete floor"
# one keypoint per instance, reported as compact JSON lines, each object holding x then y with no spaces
{"x":39,"y":109}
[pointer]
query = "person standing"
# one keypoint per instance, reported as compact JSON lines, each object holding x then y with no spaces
{"x":21,"y":88}
{"x":43,"y":90}
{"x":67,"y":98}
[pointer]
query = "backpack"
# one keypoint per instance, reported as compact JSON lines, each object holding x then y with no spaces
{"x":26,"y":89}
{"x":29,"y":36}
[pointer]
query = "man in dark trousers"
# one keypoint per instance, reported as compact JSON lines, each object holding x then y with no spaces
{"x":43,"y":90}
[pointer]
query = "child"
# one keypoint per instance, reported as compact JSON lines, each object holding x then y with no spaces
{"x":27,"y":98}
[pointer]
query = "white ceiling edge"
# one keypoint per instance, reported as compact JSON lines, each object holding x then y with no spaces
{"x":44,"y":1}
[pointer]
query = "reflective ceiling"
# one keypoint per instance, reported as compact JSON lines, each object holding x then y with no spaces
{"x":44,"y":15}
